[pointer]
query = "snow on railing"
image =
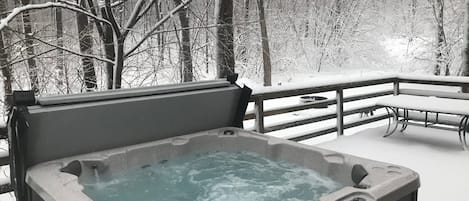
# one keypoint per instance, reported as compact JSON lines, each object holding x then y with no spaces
{"x":260,"y":94}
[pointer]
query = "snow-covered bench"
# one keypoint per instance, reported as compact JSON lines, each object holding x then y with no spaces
{"x":457,"y":107}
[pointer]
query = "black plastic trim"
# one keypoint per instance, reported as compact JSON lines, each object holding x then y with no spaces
{"x":242,"y":106}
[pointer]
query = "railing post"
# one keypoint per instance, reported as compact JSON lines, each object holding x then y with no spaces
{"x":340,"y":111}
{"x":396,"y":87}
{"x":259,"y":112}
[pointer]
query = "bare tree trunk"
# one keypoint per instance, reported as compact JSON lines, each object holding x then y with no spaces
{"x":465,"y":52}
{"x":246,"y":11}
{"x":159,"y":43}
{"x":86,"y":47}
{"x":109,"y":50}
{"x":265,"y":45}
{"x":414,"y":19}
{"x":340,"y":11}
{"x":114,"y":73}
{"x":441,"y":51}
{"x":244,"y":36}
{"x":29,"y":43}
{"x":306,"y":20}
{"x":160,"y":36}
{"x":163,"y":35}
{"x":186,"y":44}
{"x":207,"y":31}
{"x":4,"y":63}
{"x":6,"y":69}
{"x":120,"y":63}
{"x":179,"y":59}
{"x":224,"y":51}
{"x":60,"y":65}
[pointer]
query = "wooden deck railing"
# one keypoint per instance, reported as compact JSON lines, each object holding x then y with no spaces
{"x":259,"y":96}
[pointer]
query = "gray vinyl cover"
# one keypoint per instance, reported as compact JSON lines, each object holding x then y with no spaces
{"x":64,"y":126}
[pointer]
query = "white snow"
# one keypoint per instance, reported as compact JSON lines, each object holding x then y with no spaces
{"x":431,"y":104}
{"x":324,"y":81}
{"x":435,"y":78}
{"x":354,"y":77}
{"x":435,"y":155}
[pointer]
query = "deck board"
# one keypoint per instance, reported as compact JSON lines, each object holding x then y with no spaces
{"x":435,"y":154}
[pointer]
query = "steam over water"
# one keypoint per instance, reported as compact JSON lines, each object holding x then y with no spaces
{"x":217,"y":176}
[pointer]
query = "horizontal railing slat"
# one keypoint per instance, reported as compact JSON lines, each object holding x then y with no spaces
{"x":366,"y":120}
{"x":301,"y":122}
{"x":3,"y":132}
{"x":331,"y":129}
{"x":433,"y":81}
{"x":5,"y":186}
{"x":294,"y":108}
{"x":305,"y":106}
{"x":322,"y":117}
{"x":4,"y":160}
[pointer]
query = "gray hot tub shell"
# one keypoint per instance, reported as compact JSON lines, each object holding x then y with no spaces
{"x":384,"y":182}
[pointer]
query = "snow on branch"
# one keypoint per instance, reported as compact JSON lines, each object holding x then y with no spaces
{"x":16,"y":11}
{"x":158,"y":24}
{"x":73,"y":52}
{"x":133,"y":17}
{"x":145,"y":10}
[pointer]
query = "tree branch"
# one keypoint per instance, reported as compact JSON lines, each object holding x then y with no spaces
{"x":73,"y":52}
{"x":16,"y":11}
{"x":146,"y":9}
{"x":133,"y":17}
{"x":32,"y":57}
{"x":158,"y":24}
{"x":93,"y":10}
{"x":111,"y":18}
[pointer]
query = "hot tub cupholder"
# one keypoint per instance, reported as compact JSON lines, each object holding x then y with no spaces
{"x":227,"y":133}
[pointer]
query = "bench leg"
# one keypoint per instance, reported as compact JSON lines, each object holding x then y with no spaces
{"x":396,"y":121}
{"x":462,"y":132}
{"x":405,"y":120}
{"x":389,"y":119}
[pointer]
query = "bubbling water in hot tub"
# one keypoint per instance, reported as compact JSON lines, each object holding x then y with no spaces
{"x":215,"y":176}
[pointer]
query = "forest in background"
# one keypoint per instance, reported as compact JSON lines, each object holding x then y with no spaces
{"x":69,"y":46}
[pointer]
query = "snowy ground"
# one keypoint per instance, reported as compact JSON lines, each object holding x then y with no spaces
{"x":435,"y":154}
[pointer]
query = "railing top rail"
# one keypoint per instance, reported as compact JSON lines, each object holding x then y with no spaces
{"x":330,"y":85}
{"x":317,"y":87}
{"x":434,"y":80}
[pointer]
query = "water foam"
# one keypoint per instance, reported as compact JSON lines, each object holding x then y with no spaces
{"x":217,"y":176}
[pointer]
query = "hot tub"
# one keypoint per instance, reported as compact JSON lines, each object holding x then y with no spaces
{"x":358,"y":179}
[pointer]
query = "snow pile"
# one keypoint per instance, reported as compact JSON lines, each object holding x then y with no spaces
{"x":431,"y":104}
{"x":435,"y":155}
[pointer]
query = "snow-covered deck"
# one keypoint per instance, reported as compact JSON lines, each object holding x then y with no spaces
{"x":435,"y":154}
